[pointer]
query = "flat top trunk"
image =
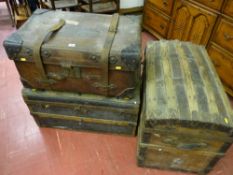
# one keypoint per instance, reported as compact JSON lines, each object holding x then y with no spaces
{"x":84,"y":34}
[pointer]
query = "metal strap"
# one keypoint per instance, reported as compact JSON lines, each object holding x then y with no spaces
{"x":106,"y":51}
{"x":38,"y":44}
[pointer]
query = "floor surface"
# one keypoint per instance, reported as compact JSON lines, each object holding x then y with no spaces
{"x":26,"y":149}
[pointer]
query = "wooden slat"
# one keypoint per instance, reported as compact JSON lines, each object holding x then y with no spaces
{"x":84,"y":119}
{"x":213,"y":110}
{"x":172,"y":149}
{"x":80,"y":105}
{"x":179,"y":83}
{"x":161,"y":98}
{"x":150,"y":97}
{"x":172,"y":106}
{"x":64,"y":97}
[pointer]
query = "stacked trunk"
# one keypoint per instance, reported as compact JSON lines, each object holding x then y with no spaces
{"x":186,"y":120}
{"x":78,"y":52}
{"x":63,"y":56}
{"x":83,"y":112}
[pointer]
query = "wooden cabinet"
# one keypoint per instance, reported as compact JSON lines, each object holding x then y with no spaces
{"x":223,"y":62}
{"x":191,"y":23}
{"x":163,"y":5}
{"x":155,"y":21}
{"x":228,"y":8}
{"x":220,"y":49}
{"x":206,"y":22}
{"x":156,"y":18}
{"x":224,"y":34}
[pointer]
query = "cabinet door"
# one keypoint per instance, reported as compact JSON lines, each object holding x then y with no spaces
{"x":215,"y":4}
{"x":223,"y":35}
{"x":191,"y":23}
{"x":223,"y":62}
{"x":228,"y":8}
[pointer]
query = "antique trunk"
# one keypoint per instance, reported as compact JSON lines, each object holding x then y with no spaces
{"x":78,"y":52}
{"x":83,"y":112}
{"x":186,"y":119}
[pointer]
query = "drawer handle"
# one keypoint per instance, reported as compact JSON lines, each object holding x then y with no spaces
{"x":162,"y":26}
{"x":165,"y":3}
{"x":228,"y":37}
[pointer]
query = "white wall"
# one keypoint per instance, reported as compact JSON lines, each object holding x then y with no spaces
{"x":124,"y":4}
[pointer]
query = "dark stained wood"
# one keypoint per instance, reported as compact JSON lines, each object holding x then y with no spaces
{"x":155,"y":21}
{"x":163,"y":5}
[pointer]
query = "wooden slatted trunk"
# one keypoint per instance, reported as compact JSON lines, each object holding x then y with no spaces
{"x":83,"y":112}
{"x":186,"y":120}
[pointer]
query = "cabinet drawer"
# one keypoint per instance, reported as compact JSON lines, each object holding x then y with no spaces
{"x":164,"y":5}
{"x":214,"y":4}
{"x":223,"y":63}
{"x":228,"y":8}
{"x":155,"y":21}
{"x":224,"y":34}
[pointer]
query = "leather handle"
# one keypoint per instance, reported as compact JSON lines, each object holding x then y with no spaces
{"x":38,"y":44}
{"x":106,"y":51}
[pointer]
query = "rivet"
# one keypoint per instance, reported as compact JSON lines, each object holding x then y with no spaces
{"x":113,"y":60}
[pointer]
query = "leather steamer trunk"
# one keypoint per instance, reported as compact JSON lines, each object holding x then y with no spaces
{"x":83,"y":112}
{"x":186,"y":120}
{"x":78,"y":52}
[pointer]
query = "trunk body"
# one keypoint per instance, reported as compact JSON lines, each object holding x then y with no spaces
{"x":85,"y":54}
{"x":186,"y":120}
{"x":83,"y":112}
